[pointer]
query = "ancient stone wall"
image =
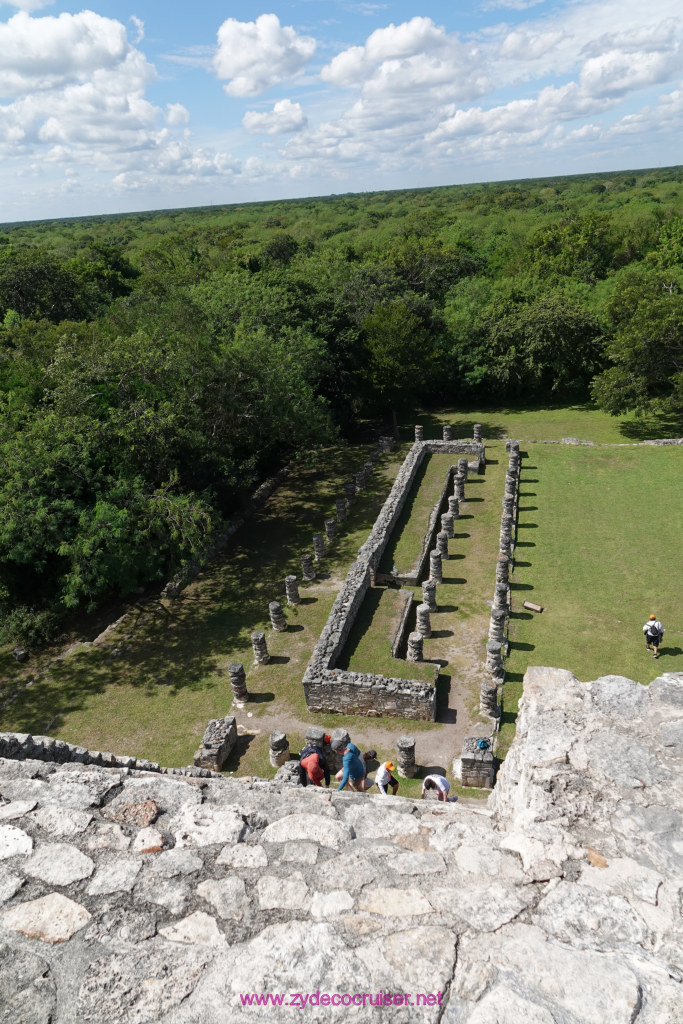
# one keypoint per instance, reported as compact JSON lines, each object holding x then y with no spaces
{"x":321,"y":680}
{"x":24,"y":747}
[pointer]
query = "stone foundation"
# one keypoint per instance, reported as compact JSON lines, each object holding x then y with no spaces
{"x":219,"y":739}
{"x":477,"y":765}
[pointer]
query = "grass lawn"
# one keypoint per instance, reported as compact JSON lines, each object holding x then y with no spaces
{"x":599,"y":546}
{"x":597,"y":556}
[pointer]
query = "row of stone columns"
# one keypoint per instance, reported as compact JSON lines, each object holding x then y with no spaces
{"x":315,"y":735}
{"x":447,"y":432}
{"x":500,"y":607}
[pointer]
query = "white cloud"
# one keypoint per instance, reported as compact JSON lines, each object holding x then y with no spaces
{"x":176,"y":113}
{"x":77,"y":89}
{"x":28,"y":5}
{"x":48,"y":52}
{"x":284,"y":117}
{"x":140,"y":28}
{"x":255,"y":55}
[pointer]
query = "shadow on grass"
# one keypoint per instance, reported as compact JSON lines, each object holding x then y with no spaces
{"x":244,"y":741}
{"x":648,"y":428}
{"x":262,"y":698}
{"x":184,"y":644}
{"x":516,"y":645}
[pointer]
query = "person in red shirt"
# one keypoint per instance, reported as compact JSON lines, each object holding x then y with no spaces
{"x":313,"y":766}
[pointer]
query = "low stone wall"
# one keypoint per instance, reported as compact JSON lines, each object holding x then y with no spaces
{"x":320,"y":680}
{"x":361,"y":693}
{"x":398,"y":644}
{"x":24,"y":747}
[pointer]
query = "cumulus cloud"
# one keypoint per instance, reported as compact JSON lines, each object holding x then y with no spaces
{"x":283,"y":118}
{"x":139,"y":28}
{"x":75,"y":89}
{"x":28,"y":5}
{"x":256,"y":55}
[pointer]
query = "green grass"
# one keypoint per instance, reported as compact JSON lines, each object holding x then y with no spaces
{"x":599,"y":547}
{"x":547,"y":424}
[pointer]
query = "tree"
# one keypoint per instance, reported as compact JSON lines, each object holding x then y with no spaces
{"x":399,"y":352}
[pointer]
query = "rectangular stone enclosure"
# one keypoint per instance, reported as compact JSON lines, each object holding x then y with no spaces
{"x":328,"y":689}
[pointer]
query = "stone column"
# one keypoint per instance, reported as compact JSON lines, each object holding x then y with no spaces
{"x":500,"y":597}
{"x":331,"y":529}
{"x":447,"y":524}
{"x":459,"y":487}
{"x":454,"y":507}
{"x":435,"y":566}
{"x":463,"y":467}
{"x":315,"y":735}
{"x":502,"y":569}
{"x":238,"y":683}
{"x":429,"y":595}
{"x":424,"y":626}
{"x":512,"y":446}
{"x":387,"y":443}
{"x":307,"y":567}
{"x":488,"y":699}
{"x":414,"y":652}
{"x":292,"y":590}
{"x":497,"y":625}
{"x":277,"y":617}
{"x":318,"y":547}
{"x":477,"y":432}
{"x":447,"y":433}
{"x":509,"y":503}
{"x":279,"y":749}
{"x":442,"y":544}
{"x":258,"y":642}
{"x":360,"y":480}
{"x":350,"y":492}
{"x":334,"y":759}
{"x":405,"y":757}
{"x":494,"y":661}
{"x":341,"y":509}
{"x":369,"y":467}
{"x":419,"y":432}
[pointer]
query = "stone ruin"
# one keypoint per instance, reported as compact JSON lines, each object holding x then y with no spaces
{"x":219,"y":739}
{"x":131,"y":897}
{"x":328,"y":689}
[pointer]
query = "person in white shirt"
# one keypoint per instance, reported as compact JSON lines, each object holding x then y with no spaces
{"x":654,"y":634}
{"x":437,"y":782}
{"x":384,"y":778}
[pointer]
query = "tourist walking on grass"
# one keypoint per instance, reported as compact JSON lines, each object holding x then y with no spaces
{"x":384,"y":778}
{"x":353,"y":766}
{"x":439,"y":784}
{"x":654,"y":634}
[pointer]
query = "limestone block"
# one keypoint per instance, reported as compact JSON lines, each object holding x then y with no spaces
{"x":59,"y":864}
{"x":53,"y":918}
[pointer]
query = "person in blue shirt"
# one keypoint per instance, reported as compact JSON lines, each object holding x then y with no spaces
{"x":353,"y":766}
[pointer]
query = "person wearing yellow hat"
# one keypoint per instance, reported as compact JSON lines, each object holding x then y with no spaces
{"x":654,"y":634}
{"x":384,"y":778}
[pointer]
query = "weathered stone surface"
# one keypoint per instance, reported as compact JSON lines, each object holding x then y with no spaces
{"x":28,"y":994}
{"x":141,"y":986}
{"x":148,"y":840}
{"x":203,"y":826}
{"x":199,"y":929}
{"x":323,"y":831}
{"x":275,"y":893}
{"x":53,"y":918}
{"x":62,"y":822}
{"x":58,"y":864}
{"x":14,"y":842}
{"x":16,"y":809}
{"x":116,"y":876}
{"x":227,"y":896}
{"x":243,"y":856}
{"x":557,"y":902}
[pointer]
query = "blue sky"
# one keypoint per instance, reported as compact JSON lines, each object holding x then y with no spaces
{"x":133,"y":106}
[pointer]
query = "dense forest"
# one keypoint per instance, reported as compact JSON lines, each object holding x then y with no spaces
{"x":154,"y":367}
